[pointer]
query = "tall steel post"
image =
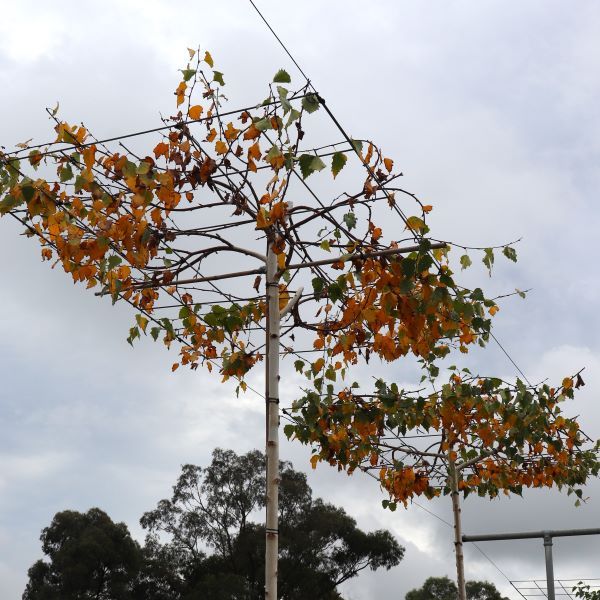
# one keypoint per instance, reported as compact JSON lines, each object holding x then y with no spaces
{"x":549,"y":565}
{"x":272,"y":418}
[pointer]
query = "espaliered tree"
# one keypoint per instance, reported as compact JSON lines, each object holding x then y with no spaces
{"x":155,"y":229}
{"x":474,"y":435}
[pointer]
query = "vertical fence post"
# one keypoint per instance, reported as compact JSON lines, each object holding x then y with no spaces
{"x":549,"y":565}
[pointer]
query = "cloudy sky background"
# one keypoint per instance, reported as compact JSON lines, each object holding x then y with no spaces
{"x":489,"y":109}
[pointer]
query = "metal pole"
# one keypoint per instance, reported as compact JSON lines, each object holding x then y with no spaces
{"x":272,"y":430}
{"x":549,"y":565}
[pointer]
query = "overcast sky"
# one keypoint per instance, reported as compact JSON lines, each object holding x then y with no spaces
{"x":491,"y":111}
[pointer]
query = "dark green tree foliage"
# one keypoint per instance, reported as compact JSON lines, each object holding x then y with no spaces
{"x":217,"y":551}
{"x":89,"y":556}
{"x":442,"y":588}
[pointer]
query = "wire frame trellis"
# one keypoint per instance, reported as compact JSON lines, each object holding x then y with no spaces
{"x":563,"y":588}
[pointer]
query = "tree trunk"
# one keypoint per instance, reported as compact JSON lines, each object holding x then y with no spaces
{"x":458,"y":543}
{"x":272,"y":425}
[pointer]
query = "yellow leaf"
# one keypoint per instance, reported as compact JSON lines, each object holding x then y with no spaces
{"x":263,"y":219}
{"x":221,"y":147}
{"x":208,"y":59}
{"x":494,"y":309}
{"x":212,"y":135}
{"x":195,"y":111}
{"x":389,"y":164}
{"x":415,"y":223}
{"x":314,"y":460}
{"x":281,"y":260}
{"x":567,"y":383}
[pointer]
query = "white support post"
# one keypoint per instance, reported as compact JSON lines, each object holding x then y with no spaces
{"x":272,"y":417}
{"x":458,"y":542}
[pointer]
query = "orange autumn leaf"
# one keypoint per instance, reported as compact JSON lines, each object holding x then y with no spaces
{"x":221,"y":147}
{"x":252,"y":132}
{"x":389,"y":164}
{"x":180,"y":93}
{"x":161,"y":149}
{"x":278,"y":211}
{"x":231,"y":132}
{"x":318,"y":365}
{"x":427,"y":208}
{"x":254,"y":151}
{"x":195,"y":111}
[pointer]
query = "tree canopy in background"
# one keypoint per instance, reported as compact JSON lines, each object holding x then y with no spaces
{"x":203,"y":543}
{"x":443,"y":588}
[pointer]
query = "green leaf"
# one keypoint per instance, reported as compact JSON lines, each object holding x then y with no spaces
{"x":324,"y":245}
{"x":338,"y":162}
{"x":8,"y":203}
{"x":79,"y":183}
{"x":294,"y":115}
{"x":317,"y":164}
{"x":350,"y":220}
{"x":488,"y":259}
{"x":288,"y":430}
{"x":309,"y":163}
{"x":310,"y":103}
{"x":465,"y":262}
{"x":129,"y":169}
{"x":520,"y":292}
{"x":114,"y":261}
{"x":282,"y":76}
{"x":318,"y":285}
{"x":142,"y":322}
{"x":28,"y":192}
{"x":357,"y":145}
{"x":299,"y":365}
{"x":154,"y":333}
{"x":188,"y":74}
{"x":335,"y":292}
{"x":263,"y":124}
{"x":66,"y":173}
{"x":218,"y":77}
{"x":510,"y":253}
{"x":285,"y":103}
{"x":143,"y":168}
{"x":134,"y":332}
{"x":184,"y":312}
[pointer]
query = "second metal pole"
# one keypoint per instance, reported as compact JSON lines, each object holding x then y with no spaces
{"x":549,"y":565}
{"x":272,"y":425}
